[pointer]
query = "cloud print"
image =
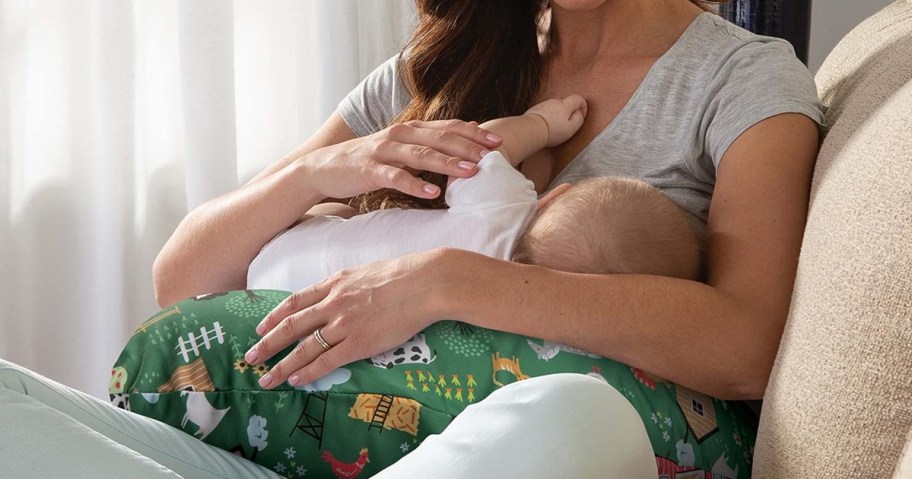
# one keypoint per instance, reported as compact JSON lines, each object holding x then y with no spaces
{"x":337,"y":376}
{"x":257,"y":433}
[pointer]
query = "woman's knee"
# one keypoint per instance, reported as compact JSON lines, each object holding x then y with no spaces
{"x":596,"y":426}
{"x":561,"y":425}
{"x":14,"y":377}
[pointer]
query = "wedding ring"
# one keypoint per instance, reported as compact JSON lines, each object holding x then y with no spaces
{"x":322,"y":341}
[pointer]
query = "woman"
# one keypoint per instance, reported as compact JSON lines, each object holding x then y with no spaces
{"x":720,"y":115}
{"x":603,"y":48}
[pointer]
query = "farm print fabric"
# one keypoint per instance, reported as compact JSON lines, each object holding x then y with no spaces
{"x":185,"y":366}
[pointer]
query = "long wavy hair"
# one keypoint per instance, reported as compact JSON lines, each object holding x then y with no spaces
{"x":472,"y":60}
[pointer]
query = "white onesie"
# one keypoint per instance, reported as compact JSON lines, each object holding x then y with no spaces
{"x":488,"y":212}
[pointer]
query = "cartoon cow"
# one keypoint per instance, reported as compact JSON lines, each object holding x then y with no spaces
{"x":120,"y":400}
{"x":415,"y":350}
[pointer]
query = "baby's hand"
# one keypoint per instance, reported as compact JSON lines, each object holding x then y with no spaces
{"x":563,"y":117}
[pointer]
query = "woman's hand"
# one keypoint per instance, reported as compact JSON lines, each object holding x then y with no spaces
{"x":387,"y":158}
{"x":360,"y":312}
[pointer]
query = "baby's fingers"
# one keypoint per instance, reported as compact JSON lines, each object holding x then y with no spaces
{"x":577,"y":104}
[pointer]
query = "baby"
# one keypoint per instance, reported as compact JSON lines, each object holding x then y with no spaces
{"x":602,"y":225}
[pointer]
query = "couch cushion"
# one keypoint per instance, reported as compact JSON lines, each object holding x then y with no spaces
{"x":839,"y":402}
{"x":904,"y":468}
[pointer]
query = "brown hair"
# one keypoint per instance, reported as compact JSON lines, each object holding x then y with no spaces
{"x":472,"y":60}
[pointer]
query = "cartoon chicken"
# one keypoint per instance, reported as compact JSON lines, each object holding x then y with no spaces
{"x":343,"y":470}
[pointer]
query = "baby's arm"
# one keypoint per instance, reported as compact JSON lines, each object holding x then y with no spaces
{"x":549,"y":123}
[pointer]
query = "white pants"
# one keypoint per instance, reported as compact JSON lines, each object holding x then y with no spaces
{"x":562,"y":425}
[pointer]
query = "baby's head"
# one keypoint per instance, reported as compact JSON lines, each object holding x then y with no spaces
{"x":611,"y":225}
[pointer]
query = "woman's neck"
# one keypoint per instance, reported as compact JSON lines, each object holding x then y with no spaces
{"x":618,"y":29}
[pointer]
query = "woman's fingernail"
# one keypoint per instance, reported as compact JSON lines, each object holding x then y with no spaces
{"x":484,"y":153}
{"x":261,"y":328}
{"x":265,"y":380}
{"x":251,"y":356}
{"x":466,"y":165}
{"x":493,"y":137}
{"x":293,"y":380}
{"x":431,"y":189}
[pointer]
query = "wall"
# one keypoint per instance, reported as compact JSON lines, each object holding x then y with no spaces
{"x":832,"y":19}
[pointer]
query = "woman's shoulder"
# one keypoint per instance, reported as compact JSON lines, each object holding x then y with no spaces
{"x":377,"y":100}
{"x":718,"y":67}
{"x":713,"y":45}
{"x":735,"y":79}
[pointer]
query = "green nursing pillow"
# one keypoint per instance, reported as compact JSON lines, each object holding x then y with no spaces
{"x":185,"y":366}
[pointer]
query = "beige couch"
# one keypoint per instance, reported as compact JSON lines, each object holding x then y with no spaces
{"x":839,"y":402}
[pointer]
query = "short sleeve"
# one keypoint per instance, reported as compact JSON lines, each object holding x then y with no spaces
{"x":761,"y":79}
{"x":376,"y":101}
{"x":497,"y":183}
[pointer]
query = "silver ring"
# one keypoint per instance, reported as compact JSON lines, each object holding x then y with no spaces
{"x":322,"y":341}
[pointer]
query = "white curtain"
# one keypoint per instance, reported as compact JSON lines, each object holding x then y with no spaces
{"x":117,"y":117}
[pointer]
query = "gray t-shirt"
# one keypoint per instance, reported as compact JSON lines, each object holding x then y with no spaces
{"x":717,"y":81}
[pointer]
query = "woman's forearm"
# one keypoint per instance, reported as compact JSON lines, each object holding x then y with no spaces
{"x":655,"y":323}
{"x":213,"y":246}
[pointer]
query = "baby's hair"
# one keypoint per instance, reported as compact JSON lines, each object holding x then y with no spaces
{"x":612,"y":225}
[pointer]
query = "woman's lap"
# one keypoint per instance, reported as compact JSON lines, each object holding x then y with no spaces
{"x":424,"y":384}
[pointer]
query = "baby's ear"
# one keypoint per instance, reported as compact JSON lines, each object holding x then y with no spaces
{"x":549,"y":196}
